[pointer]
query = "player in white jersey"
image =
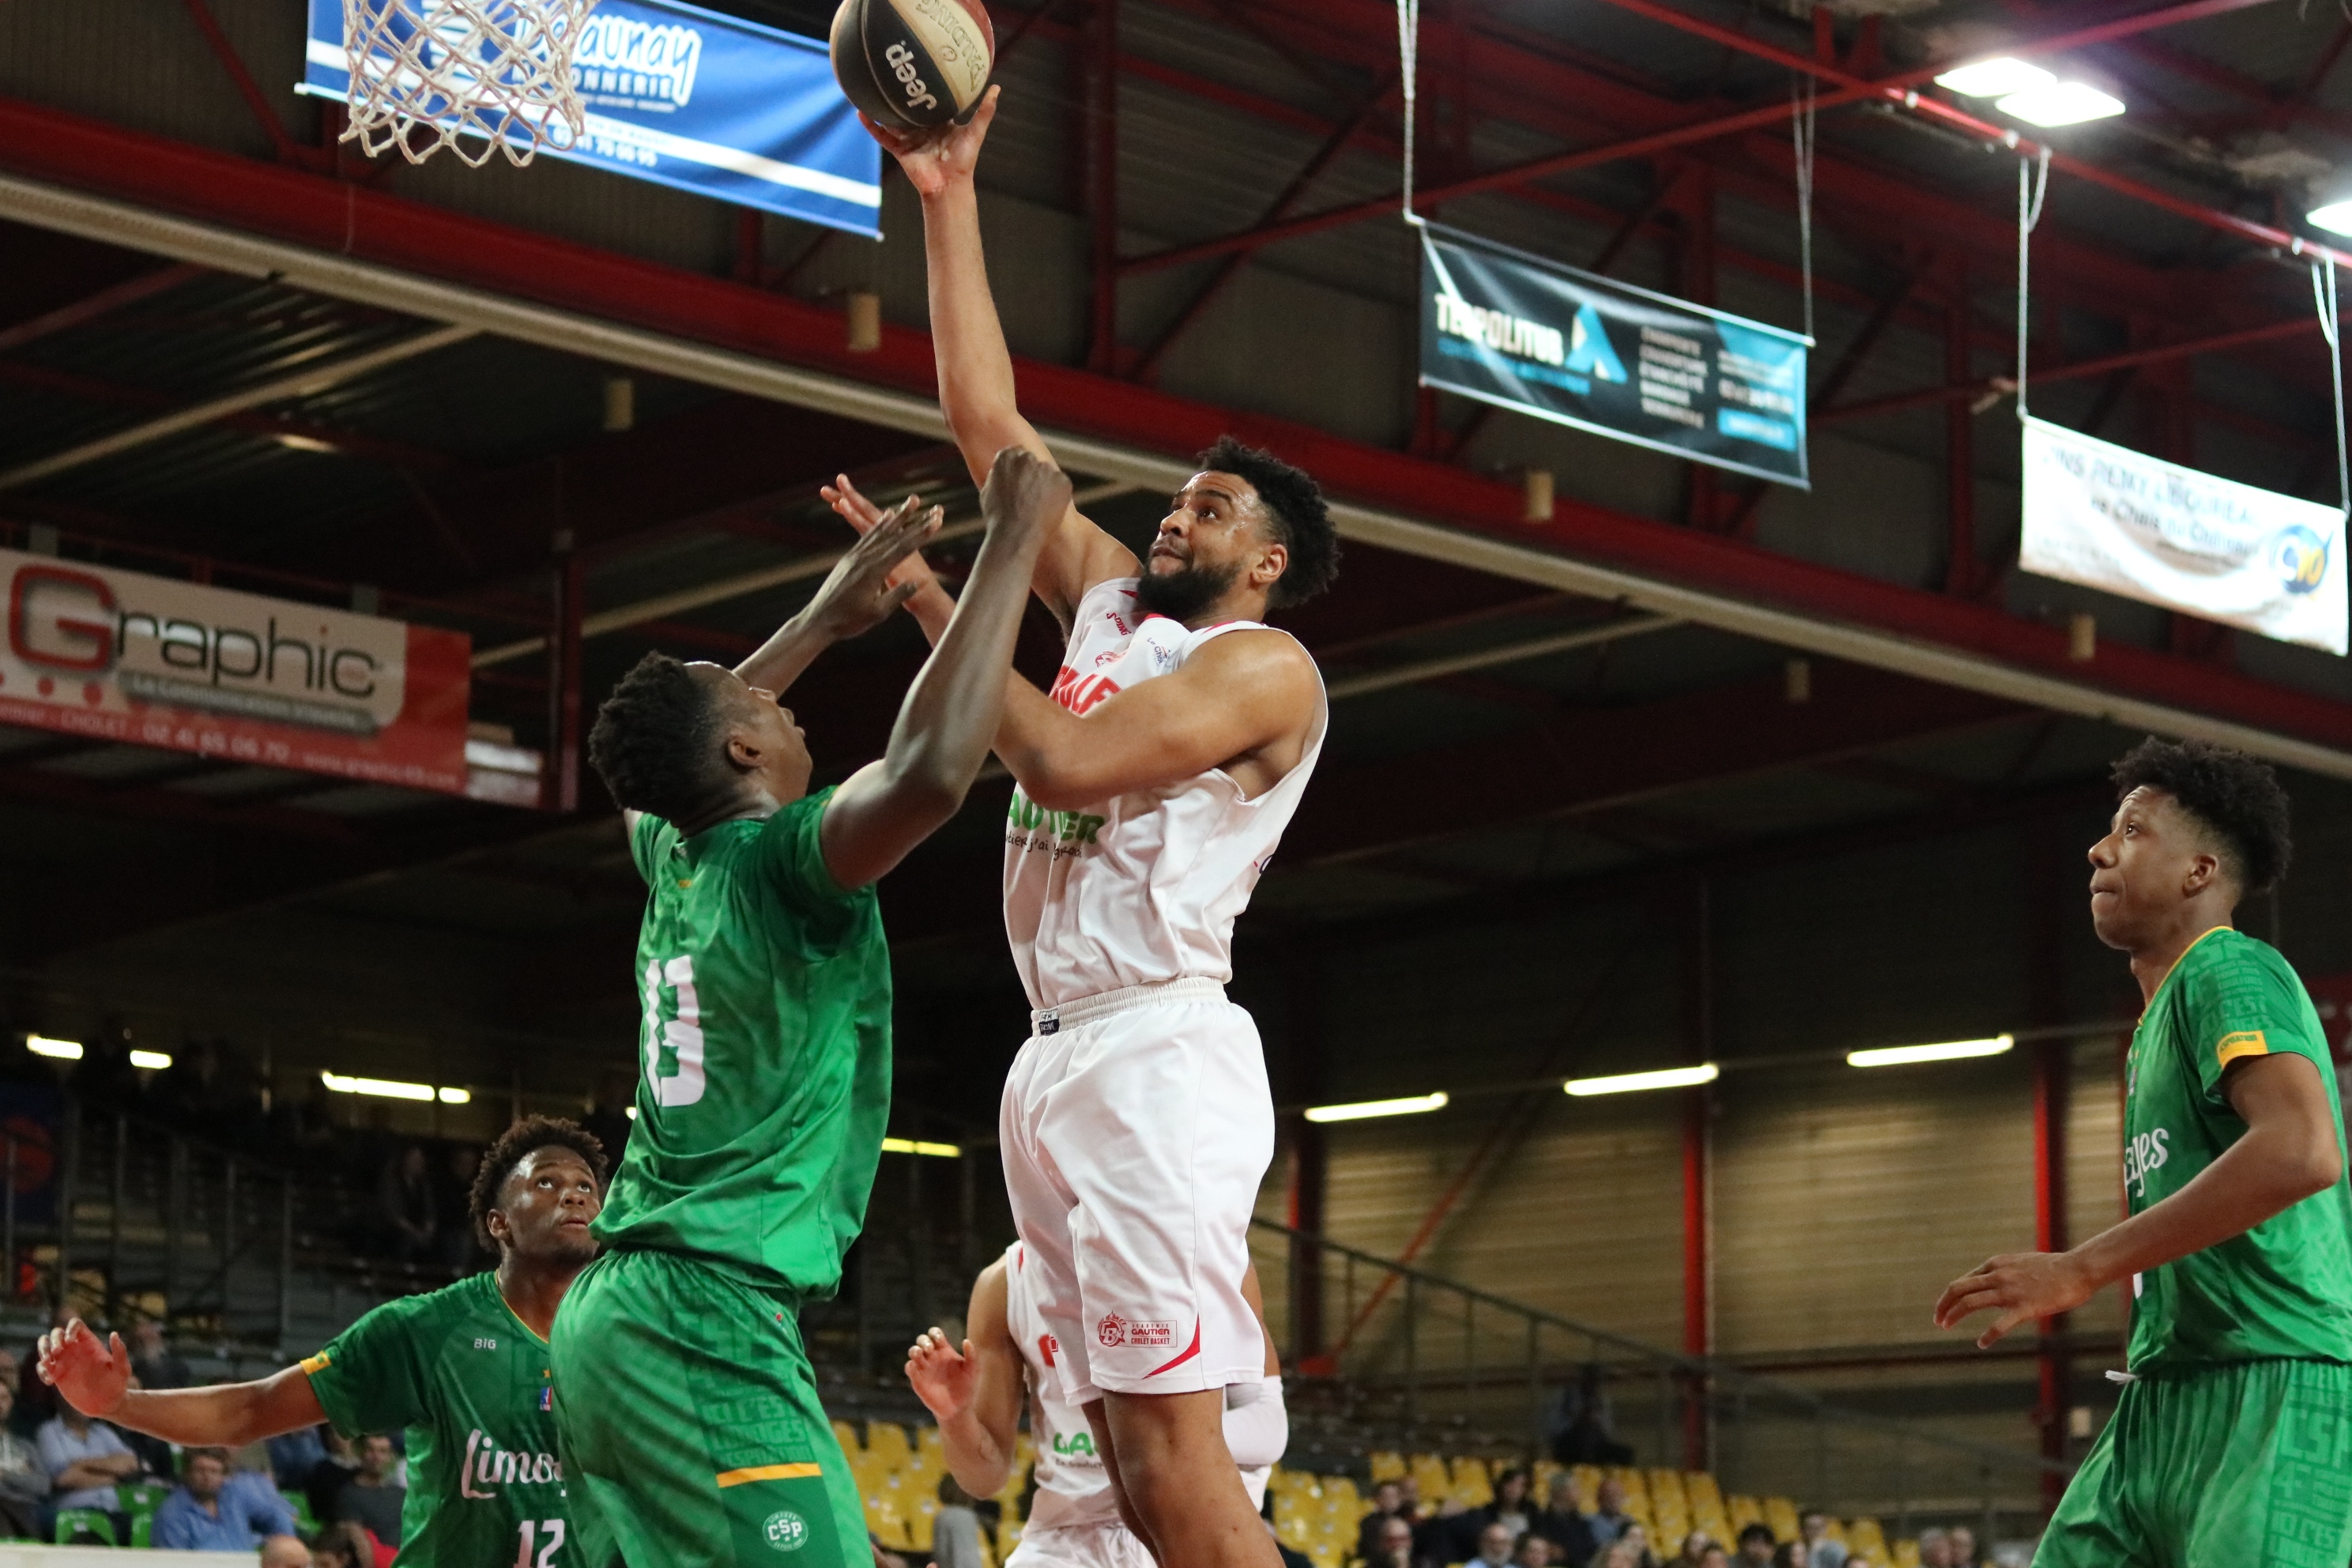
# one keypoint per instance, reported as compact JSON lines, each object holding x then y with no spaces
{"x":1154,"y":784}
{"x":1011,"y":1355}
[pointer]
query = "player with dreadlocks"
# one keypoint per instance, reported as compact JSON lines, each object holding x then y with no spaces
{"x":463,"y":1371}
{"x":2232,"y":1437}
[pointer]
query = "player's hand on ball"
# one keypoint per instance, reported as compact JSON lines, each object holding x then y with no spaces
{"x":936,"y":159}
{"x":1025,"y":495}
{"x":869,"y":581}
{"x":90,"y":1375}
{"x":2016,"y":1285}
{"x":943,"y":1377}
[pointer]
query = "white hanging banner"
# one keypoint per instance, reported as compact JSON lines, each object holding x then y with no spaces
{"x":2107,"y":517}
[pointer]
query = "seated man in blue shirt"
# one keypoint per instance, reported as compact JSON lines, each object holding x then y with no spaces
{"x":204,"y":1513}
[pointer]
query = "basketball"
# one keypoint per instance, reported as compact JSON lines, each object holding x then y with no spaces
{"x":913,"y":64}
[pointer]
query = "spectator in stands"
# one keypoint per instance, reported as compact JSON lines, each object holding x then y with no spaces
{"x":1936,"y":1549}
{"x":293,"y":1455}
{"x":1790,"y":1554}
{"x":1580,"y":1423}
{"x":1511,"y":1506}
{"x":1532,"y":1551}
{"x":1495,"y":1543}
{"x":1820,"y":1551}
{"x":344,"y":1545}
{"x":955,"y":1531}
{"x":1394,"y":1547}
{"x":1616,"y":1554}
{"x":1388,"y":1503}
{"x":460,"y":1249}
{"x":1695,"y":1547}
{"x":14,"y":1417}
{"x":405,"y":1205}
{"x":153,"y":1361}
{"x":84,"y":1458}
{"x":331,"y":1474}
{"x":1562,"y":1524}
{"x":373,"y":1498}
{"x":1756,"y":1544}
{"x":1636,"y":1540}
{"x":1609,"y":1521}
{"x":24,"y":1479}
{"x":1964,"y":1547}
{"x":1714,"y":1556}
{"x":285,"y":1551}
{"x":204,"y":1513}
{"x":35,"y":1400}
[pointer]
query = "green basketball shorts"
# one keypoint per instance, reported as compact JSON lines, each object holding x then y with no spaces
{"x":2247,"y":1465}
{"x":689,"y":1423}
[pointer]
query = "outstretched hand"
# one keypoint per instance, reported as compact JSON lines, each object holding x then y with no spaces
{"x":938,"y":158}
{"x":2018,"y":1286}
{"x":944,"y":1379}
{"x":91,"y":1375}
{"x":850,"y":503}
{"x":1024,"y":496}
{"x":874,"y":577}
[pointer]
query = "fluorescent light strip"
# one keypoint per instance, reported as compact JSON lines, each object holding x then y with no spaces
{"x":154,"y":1061}
{"x":1627,"y":1082}
{"x":391,"y":1088}
{"x":1950,"y":1050}
{"x":911,"y":1146}
{"x":2335,"y":217}
{"x":1364,"y":1110}
{"x":43,"y":1046}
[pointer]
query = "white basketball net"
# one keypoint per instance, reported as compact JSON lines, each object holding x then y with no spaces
{"x":427,"y":73}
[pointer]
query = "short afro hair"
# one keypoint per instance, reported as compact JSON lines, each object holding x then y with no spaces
{"x":2234,"y":796}
{"x":655,"y":737}
{"x":1301,"y":522}
{"x":499,"y":1160}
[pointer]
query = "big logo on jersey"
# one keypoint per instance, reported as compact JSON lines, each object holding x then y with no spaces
{"x":488,"y":1467}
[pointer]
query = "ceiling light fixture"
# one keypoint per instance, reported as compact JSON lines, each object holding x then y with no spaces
{"x":154,"y":1061}
{"x":1950,"y":1050}
{"x":1627,"y":1082}
{"x":43,"y":1046}
{"x":1996,"y":78}
{"x":1365,"y":1110}
{"x":2335,"y":217}
{"x":2060,"y":103}
{"x":912,"y":1146}
{"x":382,"y":1088}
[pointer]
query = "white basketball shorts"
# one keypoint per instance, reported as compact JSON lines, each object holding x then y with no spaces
{"x":1107,"y":1545}
{"x":1136,"y":1127}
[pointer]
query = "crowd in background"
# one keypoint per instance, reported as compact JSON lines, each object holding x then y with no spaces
{"x":1516,"y":1530}
{"x":308,"y":1498}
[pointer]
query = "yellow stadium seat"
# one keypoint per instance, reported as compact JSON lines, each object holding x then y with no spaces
{"x":1906,"y":1554}
{"x":1743,"y":1512}
{"x":882,"y":1518}
{"x":846,"y":1435}
{"x":1782,"y":1515}
{"x":1472,"y":1485}
{"x":1864,"y":1536}
{"x":1387,"y":1466}
{"x":887,"y":1441}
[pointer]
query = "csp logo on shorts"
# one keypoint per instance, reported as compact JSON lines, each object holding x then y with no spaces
{"x":1111,"y":1331}
{"x":786,"y":1530}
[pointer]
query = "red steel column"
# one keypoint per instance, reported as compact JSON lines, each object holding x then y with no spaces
{"x":2052,"y":1073}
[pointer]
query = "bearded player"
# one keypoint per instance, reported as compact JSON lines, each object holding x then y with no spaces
{"x":976,"y":1393}
{"x":687,"y":1403}
{"x":1154,"y":785}
{"x":2231,"y":1444}
{"x":463,"y":1371}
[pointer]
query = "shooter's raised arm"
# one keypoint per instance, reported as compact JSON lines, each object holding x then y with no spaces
{"x":951,"y":711}
{"x":975,"y":368}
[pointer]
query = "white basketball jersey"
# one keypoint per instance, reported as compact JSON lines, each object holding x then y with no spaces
{"x":1072,"y":1486}
{"x":1145,"y":888}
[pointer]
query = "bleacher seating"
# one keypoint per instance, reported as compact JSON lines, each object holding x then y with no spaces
{"x":898,"y":1476}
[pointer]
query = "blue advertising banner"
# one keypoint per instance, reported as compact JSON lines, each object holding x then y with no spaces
{"x":707,"y":103}
{"x":1508,"y":328}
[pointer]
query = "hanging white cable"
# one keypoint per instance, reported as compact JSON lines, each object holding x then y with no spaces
{"x":2323,"y":293}
{"x":1408,"y":62}
{"x":2032,"y":184}
{"x":1806,"y":94}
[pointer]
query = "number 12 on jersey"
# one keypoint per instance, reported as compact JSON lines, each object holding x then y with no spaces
{"x":681,"y":1033}
{"x":547,"y":1534}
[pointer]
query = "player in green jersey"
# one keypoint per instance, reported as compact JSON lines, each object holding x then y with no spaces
{"x":685,"y":1399}
{"x":464,"y":1370}
{"x":2231,"y":1444}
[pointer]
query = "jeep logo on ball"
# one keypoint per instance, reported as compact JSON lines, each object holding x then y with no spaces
{"x":902,"y":65}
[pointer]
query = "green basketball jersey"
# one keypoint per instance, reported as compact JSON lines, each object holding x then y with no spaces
{"x":766,"y":1048}
{"x":2284,"y":1287}
{"x":458,"y":1372}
